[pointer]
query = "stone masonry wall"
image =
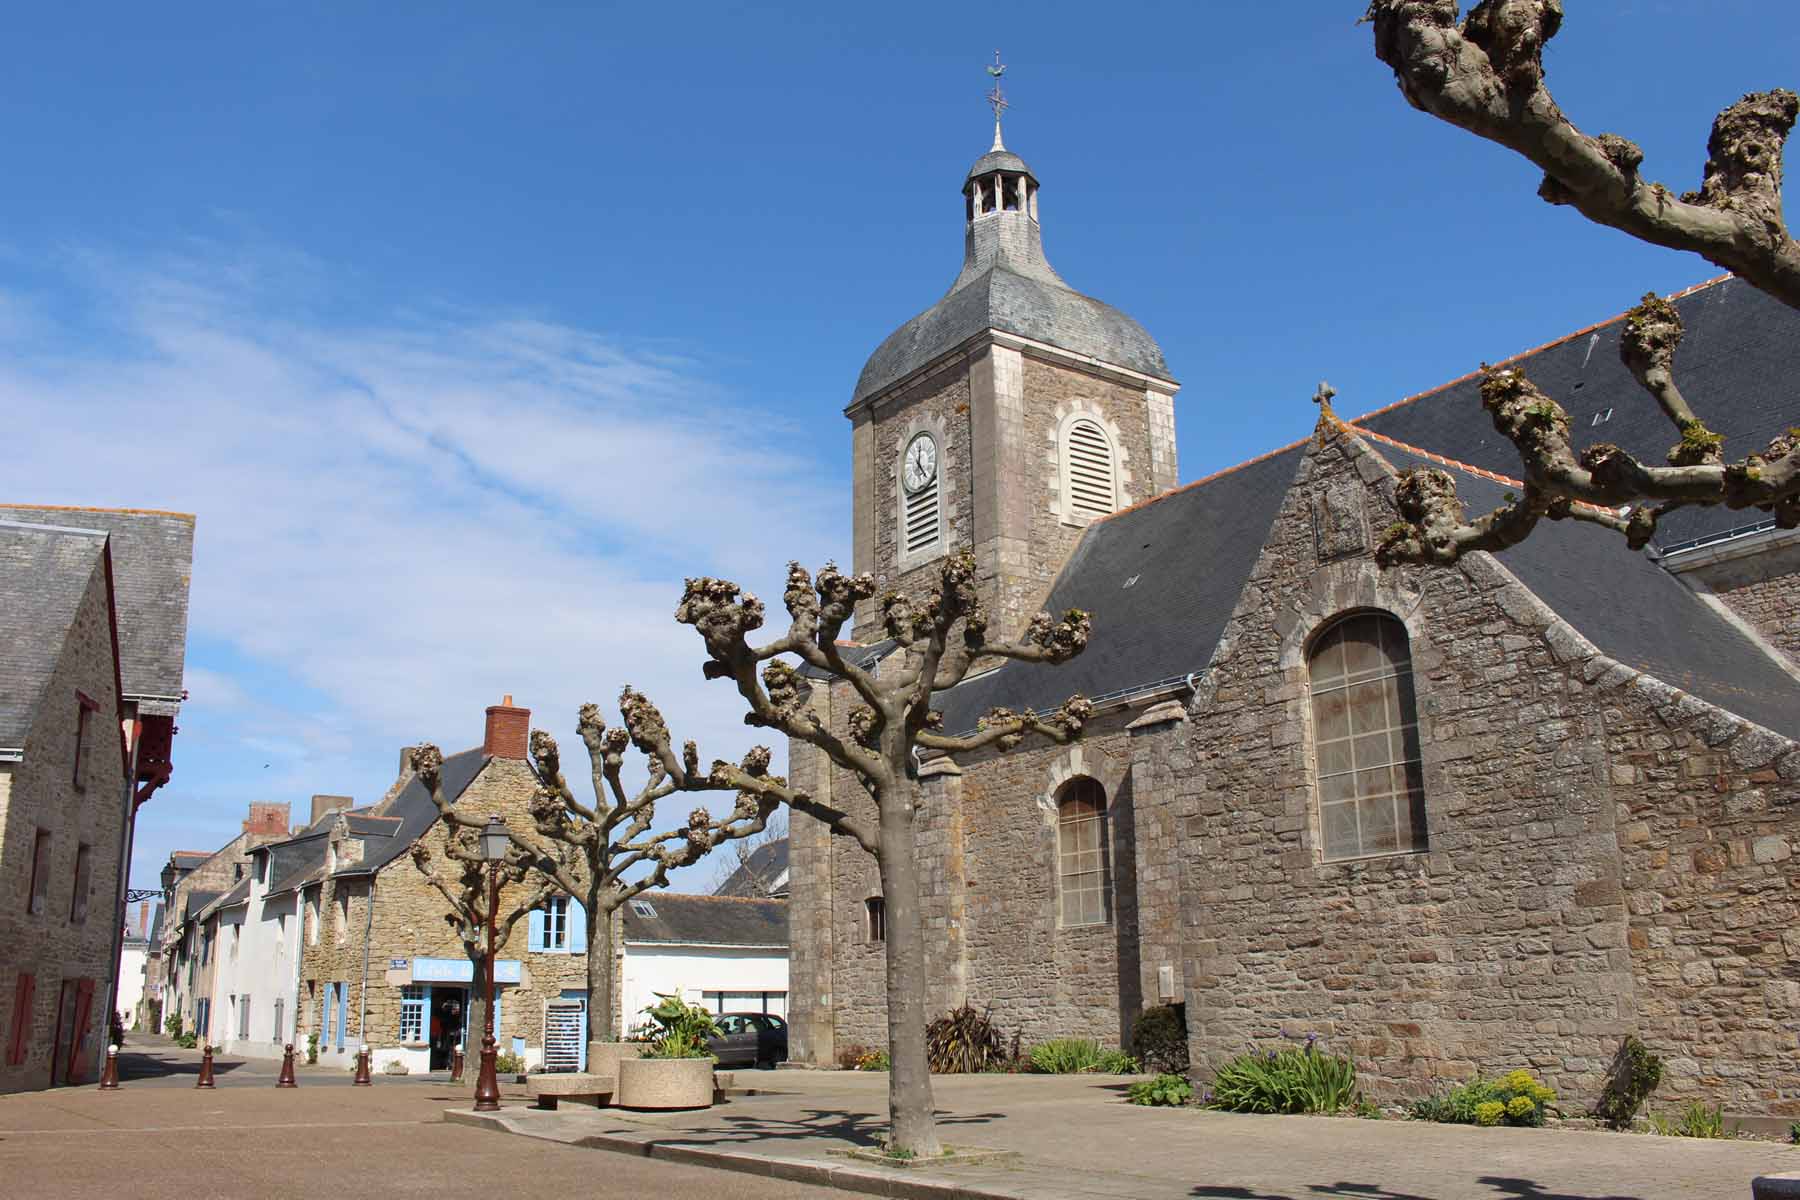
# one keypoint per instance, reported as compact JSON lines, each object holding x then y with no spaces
{"x":58,"y":945}
{"x":1501,"y":945}
{"x":1765,"y":591}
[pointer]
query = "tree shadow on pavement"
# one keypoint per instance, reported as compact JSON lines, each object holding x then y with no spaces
{"x":148,"y":1064}
{"x":1504,"y":1188}
{"x":863,"y":1129}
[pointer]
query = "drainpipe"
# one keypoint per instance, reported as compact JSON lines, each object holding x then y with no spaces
{"x":127,"y":836}
{"x":362,"y":1018}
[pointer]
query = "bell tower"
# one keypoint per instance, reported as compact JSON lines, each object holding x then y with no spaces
{"x":1008,"y":416}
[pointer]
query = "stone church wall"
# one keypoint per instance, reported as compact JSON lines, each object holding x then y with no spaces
{"x":1764,"y":589}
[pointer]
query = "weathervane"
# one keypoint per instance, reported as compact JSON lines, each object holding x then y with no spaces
{"x":997,"y":98}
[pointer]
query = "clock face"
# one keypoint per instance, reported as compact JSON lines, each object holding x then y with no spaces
{"x":920,"y":466}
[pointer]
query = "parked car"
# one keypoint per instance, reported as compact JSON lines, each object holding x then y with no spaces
{"x":749,"y":1040}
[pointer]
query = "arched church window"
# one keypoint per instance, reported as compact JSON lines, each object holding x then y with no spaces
{"x":1089,"y":473}
{"x":921,"y":499}
{"x":1084,"y":874}
{"x":1366,"y":738}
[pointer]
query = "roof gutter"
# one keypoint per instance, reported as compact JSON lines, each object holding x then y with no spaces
{"x":1126,"y":697}
{"x":712,"y":945}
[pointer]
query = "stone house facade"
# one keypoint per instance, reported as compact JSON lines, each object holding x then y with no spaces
{"x":1452,"y":820}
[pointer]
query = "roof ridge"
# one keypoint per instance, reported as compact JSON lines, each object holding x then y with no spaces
{"x":98,"y":508}
{"x":1447,"y":461}
{"x":1680,"y":294}
{"x":1205,"y":479}
{"x":716,"y":896}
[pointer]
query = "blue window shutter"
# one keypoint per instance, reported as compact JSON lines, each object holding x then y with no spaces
{"x":577,"y":928}
{"x":343,"y":1012}
{"x":535,"y":940}
{"x":497,"y":1026}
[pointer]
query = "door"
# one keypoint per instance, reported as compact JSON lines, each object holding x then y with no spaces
{"x":448,"y":1018}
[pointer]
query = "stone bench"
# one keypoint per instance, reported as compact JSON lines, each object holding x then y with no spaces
{"x":548,"y":1088}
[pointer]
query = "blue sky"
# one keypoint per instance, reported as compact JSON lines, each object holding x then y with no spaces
{"x":469,"y":330}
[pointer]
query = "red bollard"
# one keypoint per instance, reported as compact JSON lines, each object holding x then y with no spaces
{"x":109,"y":1075}
{"x":456,"y":1064}
{"x":286,"y":1078}
{"x":206,"y":1075}
{"x":362,"y":1068}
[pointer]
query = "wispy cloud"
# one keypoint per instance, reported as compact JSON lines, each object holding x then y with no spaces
{"x":400,"y":519}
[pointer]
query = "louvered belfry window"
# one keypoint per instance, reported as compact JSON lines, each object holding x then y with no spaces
{"x":921,"y":517}
{"x":1088,"y":471}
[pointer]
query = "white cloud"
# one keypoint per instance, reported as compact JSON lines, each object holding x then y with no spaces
{"x":399,"y":521}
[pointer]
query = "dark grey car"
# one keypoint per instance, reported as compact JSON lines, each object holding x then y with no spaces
{"x":749,"y":1040}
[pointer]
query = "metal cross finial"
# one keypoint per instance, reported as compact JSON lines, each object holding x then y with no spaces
{"x":1323,"y":396}
{"x":997,"y":98}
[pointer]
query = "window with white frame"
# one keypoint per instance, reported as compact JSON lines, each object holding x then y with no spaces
{"x":412,"y":1013}
{"x":1090,"y":485}
{"x":1084,"y":874}
{"x":556,"y":923}
{"x":1366,"y":738}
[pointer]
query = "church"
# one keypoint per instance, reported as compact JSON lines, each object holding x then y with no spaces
{"x":1451,"y":820}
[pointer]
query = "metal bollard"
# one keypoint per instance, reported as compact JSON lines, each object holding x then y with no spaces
{"x":109,"y":1075}
{"x":286,"y":1078}
{"x":361,"y":1078}
{"x":206,"y":1075}
{"x":456,"y":1064}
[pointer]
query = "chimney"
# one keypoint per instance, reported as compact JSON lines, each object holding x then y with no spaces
{"x":144,"y":920}
{"x":324,"y":804}
{"x":508,"y":730}
{"x":268,"y":818}
{"x":406,"y":753}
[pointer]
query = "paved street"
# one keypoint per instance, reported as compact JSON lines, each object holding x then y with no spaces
{"x":158,"y":1137}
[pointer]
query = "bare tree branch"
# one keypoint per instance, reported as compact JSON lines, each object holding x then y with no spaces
{"x":1486,"y":75}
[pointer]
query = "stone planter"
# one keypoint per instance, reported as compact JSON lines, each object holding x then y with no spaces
{"x":603,"y":1057}
{"x":662,"y":1083}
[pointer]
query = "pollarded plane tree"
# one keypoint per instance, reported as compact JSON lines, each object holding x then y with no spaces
{"x":605,"y":853}
{"x":1485,"y":73}
{"x":467,"y":895}
{"x":942,"y":638}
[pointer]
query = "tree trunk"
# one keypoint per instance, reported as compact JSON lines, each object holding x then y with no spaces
{"x":477,"y":1013}
{"x":912,"y":1125}
{"x":603,"y":1007}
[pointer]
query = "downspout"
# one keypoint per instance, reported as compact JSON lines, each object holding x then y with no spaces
{"x":127,"y":836}
{"x":362,"y":1017}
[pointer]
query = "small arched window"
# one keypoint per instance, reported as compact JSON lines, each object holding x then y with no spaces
{"x":1084,"y":872}
{"x":1366,"y":739}
{"x":1089,"y":474}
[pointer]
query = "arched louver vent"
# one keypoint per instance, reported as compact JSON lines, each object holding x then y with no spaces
{"x":1089,"y":459}
{"x":921,"y":532}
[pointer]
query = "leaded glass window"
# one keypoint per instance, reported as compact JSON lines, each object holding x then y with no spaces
{"x":412,"y":1013}
{"x":1366,"y":739}
{"x":1084,"y":874}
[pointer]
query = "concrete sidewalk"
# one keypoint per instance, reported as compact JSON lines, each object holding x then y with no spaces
{"x":1078,"y":1138}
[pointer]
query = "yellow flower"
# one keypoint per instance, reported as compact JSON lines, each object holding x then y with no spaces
{"x":1489,"y":1112}
{"x":1542,"y":1094}
{"x":1518,"y":1081}
{"x":1519,"y":1106}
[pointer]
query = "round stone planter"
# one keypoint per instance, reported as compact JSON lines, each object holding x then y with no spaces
{"x":662,"y":1083}
{"x":603,"y":1057}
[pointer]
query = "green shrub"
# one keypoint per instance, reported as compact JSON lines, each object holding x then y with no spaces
{"x":1165,"y":1090}
{"x":1515,"y":1098}
{"x":1696,"y":1121}
{"x":1159,"y":1039}
{"x":1294,"y":1079}
{"x":1117,"y":1062}
{"x":1634,"y":1074}
{"x":508,"y":1063}
{"x":173,"y":1025}
{"x":186,"y":1041}
{"x":312,"y":1047}
{"x":1066,"y":1056}
{"x":963,"y":1042}
{"x":1794,"y":1133}
{"x":874,"y":1060}
{"x":681,"y":1029}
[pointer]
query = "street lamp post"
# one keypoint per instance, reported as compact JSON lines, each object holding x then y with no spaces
{"x":494,"y":843}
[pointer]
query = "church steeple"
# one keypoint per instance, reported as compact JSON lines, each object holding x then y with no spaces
{"x":1000,"y":207}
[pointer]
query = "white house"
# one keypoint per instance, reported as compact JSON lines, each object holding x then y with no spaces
{"x":727,"y":953}
{"x":257,"y":959}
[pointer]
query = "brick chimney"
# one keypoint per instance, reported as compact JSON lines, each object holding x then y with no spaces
{"x":508,"y":730}
{"x":268,"y":818}
{"x":324,"y":804}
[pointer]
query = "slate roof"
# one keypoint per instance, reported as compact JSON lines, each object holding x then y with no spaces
{"x":1007,"y":284}
{"x":1735,"y":366}
{"x":44,"y":573}
{"x":197,"y":901}
{"x":239,"y":894}
{"x":999,"y":160}
{"x":768,"y":863}
{"x":1635,"y":611}
{"x":189,"y":860}
{"x":153,"y":563}
{"x":707,"y":920}
{"x":1161,"y":580}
